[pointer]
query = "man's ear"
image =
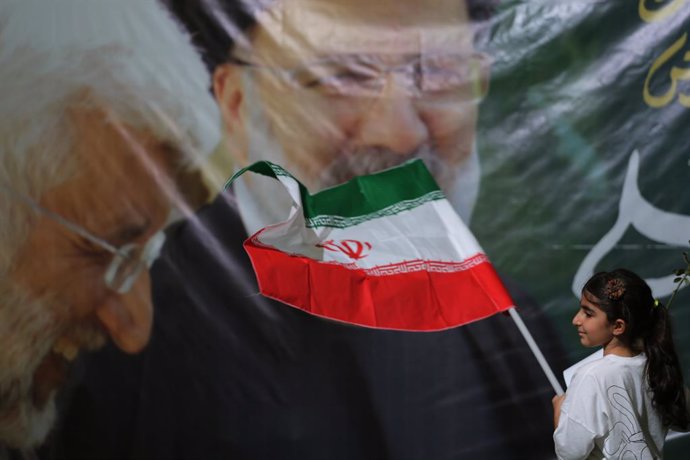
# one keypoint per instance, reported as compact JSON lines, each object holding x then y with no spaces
{"x":481,"y":76}
{"x":619,"y":327}
{"x":192,"y":187}
{"x":227,"y":88}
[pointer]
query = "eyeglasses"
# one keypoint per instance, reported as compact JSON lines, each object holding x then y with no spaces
{"x":129,"y":260}
{"x":367,"y":75}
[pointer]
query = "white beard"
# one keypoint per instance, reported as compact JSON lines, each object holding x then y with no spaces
{"x":262,"y":201}
{"x":26,"y":336}
{"x":29,"y":330}
{"x":30,"y":426}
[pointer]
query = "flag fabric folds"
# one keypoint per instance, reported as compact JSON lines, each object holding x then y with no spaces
{"x":385,"y":250}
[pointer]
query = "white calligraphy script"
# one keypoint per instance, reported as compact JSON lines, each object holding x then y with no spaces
{"x":655,"y":224}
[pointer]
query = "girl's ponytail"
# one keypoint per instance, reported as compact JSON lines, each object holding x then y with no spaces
{"x":663,"y":370}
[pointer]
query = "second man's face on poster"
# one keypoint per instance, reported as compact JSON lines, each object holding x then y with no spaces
{"x":331,"y":90}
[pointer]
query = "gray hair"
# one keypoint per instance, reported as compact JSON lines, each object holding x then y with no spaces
{"x":127,"y":57}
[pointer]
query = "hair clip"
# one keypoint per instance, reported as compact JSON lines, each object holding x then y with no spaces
{"x":614,"y":289}
{"x":656,"y":303}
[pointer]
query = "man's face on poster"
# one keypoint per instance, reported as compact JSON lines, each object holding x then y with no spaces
{"x":343,"y":88}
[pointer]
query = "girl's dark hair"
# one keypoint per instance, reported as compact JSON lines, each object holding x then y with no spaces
{"x":621,"y":294}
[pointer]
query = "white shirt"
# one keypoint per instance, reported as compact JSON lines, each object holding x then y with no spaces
{"x":607,"y":413}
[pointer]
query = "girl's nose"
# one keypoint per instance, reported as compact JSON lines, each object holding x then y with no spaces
{"x":576,"y":319}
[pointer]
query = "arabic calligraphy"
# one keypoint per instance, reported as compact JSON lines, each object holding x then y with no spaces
{"x":675,"y":74}
{"x":634,"y":210}
{"x":658,"y":13}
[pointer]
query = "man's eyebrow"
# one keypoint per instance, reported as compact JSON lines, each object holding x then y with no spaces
{"x":174,"y":152}
{"x":128,"y":233}
{"x":366,"y":57}
{"x":170,"y":147}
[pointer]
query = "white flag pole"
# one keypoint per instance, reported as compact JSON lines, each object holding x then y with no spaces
{"x":536,"y":351}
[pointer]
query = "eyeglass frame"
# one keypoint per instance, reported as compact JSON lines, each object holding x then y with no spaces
{"x":149,"y":252}
{"x":481,"y":61}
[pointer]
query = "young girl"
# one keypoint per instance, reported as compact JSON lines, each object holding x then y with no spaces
{"x":622,"y":405}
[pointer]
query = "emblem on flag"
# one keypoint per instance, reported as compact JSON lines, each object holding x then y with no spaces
{"x":352,"y":248}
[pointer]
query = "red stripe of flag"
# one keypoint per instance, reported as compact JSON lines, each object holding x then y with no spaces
{"x":419,"y":300}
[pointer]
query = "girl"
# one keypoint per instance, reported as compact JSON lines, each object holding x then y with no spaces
{"x":621,"y":406}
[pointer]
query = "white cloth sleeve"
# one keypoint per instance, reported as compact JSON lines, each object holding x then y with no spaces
{"x":572,"y":441}
{"x":583,"y":419}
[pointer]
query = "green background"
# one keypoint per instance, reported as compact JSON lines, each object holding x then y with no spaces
{"x":564,"y":112}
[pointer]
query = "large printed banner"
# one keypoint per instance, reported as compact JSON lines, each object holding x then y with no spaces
{"x":556,"y":129}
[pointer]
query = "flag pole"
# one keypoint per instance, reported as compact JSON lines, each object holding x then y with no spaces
{"x":536,"y":351}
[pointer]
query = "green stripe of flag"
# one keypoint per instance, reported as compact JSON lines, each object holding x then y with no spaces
{"x":325,"y":220}
{"x":362,"y":198}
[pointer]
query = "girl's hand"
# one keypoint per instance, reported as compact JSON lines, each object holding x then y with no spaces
{"x":557,"y":401}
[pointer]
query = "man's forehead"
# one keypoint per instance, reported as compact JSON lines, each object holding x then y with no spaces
{"x":382,"y":12}
{"x":120,"y":171}
{"x":299,"y":28}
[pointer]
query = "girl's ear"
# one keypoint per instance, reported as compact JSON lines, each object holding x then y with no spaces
{"x":619,"y":327}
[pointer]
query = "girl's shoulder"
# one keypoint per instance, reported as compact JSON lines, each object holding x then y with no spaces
{"x":592,"y":369}
{"x":611,"y":367}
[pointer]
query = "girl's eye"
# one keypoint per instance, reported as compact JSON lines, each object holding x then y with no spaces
{"x":586,"y":312}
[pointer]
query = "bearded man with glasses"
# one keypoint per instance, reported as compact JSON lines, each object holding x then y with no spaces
{"x":335,"y":89}
{"x":104,"y":114}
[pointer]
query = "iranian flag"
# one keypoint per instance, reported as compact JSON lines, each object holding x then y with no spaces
{"x":385,"y":250}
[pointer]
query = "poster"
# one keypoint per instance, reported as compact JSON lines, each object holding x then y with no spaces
{"x":555,"y":128}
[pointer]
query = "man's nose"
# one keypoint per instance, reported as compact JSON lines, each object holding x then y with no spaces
{"x":128,"y":317}
{"x":392,"y":122}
